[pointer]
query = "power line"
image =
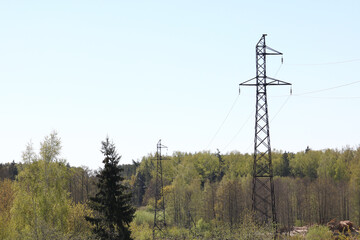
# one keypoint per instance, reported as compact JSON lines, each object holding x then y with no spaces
{"x":279,"y":68}
{"x":327,"y":63}
{"x":287,"y":99}
{"x":233,"y":105}
{"x":330,"y":97}
{"x":241,"y":128}
{"x":327,"y":89}
{"x":238,"y":132}
{"x":222,"y":124}
{"x":321,"y":90}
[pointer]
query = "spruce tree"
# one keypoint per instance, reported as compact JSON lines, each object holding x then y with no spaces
{"x":112,"y":209}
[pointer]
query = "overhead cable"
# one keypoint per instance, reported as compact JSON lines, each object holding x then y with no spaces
{"x":222,"y":124}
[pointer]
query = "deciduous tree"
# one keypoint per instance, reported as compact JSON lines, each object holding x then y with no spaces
{"x":41,"y":204}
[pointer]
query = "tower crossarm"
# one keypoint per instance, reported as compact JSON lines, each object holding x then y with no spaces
{"x":274,"y":52}
{"x":276,"y":82}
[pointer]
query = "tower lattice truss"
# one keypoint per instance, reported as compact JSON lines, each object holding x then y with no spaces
{"x":263,"y":196}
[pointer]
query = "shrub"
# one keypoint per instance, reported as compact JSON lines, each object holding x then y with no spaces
{"x":141,"y":232}
{"x":144,"y":217}
{"x":318,"y":233}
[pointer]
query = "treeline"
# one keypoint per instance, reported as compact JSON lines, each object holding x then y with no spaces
{"x":81,"y":182}
{"x":211,"y":189}
{"x":207,"y":195}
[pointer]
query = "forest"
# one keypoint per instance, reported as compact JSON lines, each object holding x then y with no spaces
{"x":207,"y":195}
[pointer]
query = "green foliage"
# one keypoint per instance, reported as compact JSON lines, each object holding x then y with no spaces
{"x":111,"y":204}
{"x":238,"y":165}
{"x":50,"y":148}
{"x":205,"y":197}
{"x":182,"y":197}
{"x":343,"y":163}
{"x":6,"y":201}
{"x":42,"y":203}
{"x":78,"y":227}
{"x":229,"y":204}
{"x":143,"y":216}
{"x":202,"y":226}
{"x":281,"y":164}
{"x":327,"y":164}
{"x":246,"y":229}
{"x":141,"y":232}
{"x":141,"y":226}
{"x":249,"y":229}
{"x":178,"y":233}
{"x":306,"y":164}
{"x":319,"y":185}
{"x":8,"y":170}
{"x":319,"y":232}
{"x":206,"y":165}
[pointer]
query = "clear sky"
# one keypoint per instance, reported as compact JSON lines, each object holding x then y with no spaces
{"x":140,"y":71}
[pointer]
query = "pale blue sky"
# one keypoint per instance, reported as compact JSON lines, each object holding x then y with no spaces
{"x":139,"y":71}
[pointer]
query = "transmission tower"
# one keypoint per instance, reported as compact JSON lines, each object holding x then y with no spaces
{"x":263,"y":197}
{"x":159,"y":216}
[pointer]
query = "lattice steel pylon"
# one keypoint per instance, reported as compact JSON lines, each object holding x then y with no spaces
{"x":263,"y":196}
{"x":159,"y":215}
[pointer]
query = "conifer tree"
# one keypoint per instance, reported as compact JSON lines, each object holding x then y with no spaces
{"x":112,"y":210}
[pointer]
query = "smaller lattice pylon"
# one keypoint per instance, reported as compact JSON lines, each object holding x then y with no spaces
{"x":159,"y":214}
